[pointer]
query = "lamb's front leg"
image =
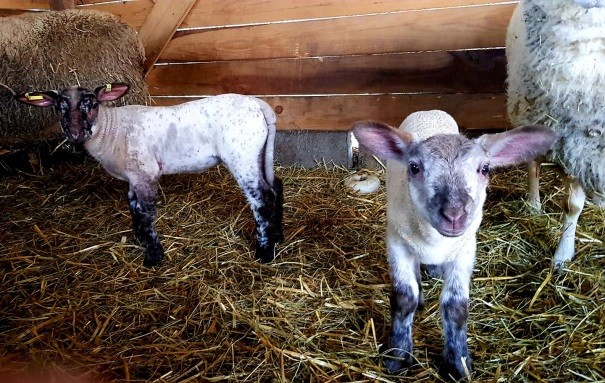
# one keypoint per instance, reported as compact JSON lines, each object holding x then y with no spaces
{"x":405,"y":292}
{"x":141,"y":200}
{"x":454,"y":315}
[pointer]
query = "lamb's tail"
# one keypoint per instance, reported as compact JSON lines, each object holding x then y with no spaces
{"x":270,"y":119}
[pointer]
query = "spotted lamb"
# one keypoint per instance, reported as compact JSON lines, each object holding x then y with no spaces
{"x":138,"y":144}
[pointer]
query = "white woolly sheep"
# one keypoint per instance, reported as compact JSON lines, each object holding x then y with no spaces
{"x":139,"y":143}
{"x":556,"y":77}
{"x":436,"y":187}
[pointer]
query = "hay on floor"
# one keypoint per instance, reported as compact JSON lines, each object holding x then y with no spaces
{"x":76,"y":298}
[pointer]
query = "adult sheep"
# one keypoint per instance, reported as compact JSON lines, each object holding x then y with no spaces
{"x":556,"y":77}
{"x":50,"y":50}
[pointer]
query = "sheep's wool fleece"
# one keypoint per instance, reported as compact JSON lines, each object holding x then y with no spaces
{"x":428,"y":245}
{"x":556,"y":77}
{"x":56,"y":50}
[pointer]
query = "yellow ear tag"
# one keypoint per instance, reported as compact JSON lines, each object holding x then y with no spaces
{"x":33,"y":98}
{"x":107,"y":87}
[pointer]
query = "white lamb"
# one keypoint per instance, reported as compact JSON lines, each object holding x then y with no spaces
{"x":436,"y":187}
{"x":138,"y":144}
{"x":556,"y":77}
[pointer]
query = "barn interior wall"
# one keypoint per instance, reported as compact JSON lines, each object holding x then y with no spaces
{"x":323,"y":64}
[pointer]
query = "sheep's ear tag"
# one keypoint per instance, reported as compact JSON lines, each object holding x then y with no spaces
{"x":107,"y":87}
{"x":34,"y":97}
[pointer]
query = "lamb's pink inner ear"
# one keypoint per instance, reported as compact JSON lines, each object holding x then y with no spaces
{"x":381,"y":140}
{"x":517,"y":145}
{"x":111,"y":92}
{"x":36,"y":99}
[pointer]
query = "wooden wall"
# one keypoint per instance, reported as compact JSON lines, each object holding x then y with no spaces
{"x":324,"y":64}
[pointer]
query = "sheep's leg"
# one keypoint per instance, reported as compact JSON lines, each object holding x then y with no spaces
{"x":278,"y":189}
{"x":454,"y":314}
{"x":404,"y":302}
{"x":434,"y":271}
{"x":141,"y":200}
{"x":573,"y":207}
{"x":420,"y":292}
{"x":263,"y":200}
{"x":533,"y":185}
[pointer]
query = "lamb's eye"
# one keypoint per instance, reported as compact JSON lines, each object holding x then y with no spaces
{"x":485,"y":169}
{"x":414,"y":168}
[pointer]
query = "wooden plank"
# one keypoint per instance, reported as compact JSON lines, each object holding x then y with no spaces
{"x":24,"y":4}
{"x":12,"y":12}
{"x":482,"y":71}
{"x":93,"y":2}
{"x":133,"y":13}
{"x":158,"y":29}
{"x":59,"y":5}
{"x":338,"y":113}
{"x":440,"y":29}
{"x":215,"y":13}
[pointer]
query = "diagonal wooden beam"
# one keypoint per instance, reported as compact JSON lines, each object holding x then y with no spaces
{"x":160,"y":26}
{"x":59,"y":5}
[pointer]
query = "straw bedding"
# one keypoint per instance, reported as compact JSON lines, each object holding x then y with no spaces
{"x":75,"y":296}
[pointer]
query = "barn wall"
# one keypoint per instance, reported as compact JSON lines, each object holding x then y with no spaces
{"x":324,"y":64}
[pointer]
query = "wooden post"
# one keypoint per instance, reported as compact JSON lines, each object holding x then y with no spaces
{"x":59,"y":5}
{"x":161,"y":24}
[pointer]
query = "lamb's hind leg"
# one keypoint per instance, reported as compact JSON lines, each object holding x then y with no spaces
{"x":278,"y":189}
{"x":263,"y":202}
{"x":141,"y":200}
{"x":573,"y":207}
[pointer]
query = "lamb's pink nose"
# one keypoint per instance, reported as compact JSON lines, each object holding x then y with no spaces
{"x":455,"y":217}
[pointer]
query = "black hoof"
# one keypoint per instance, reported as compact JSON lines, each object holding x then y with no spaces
{"x":395,"y":361}
{"x":265,"y":254}
{"x":279,"y":236}
{"x":454,"y":371}
{"x":154,"y":256}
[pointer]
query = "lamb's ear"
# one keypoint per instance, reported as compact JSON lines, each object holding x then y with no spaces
{"x":381,"y":140}
{"x":40,"y":99}
{"x":517,"y":145}
{"x":111,"y":92}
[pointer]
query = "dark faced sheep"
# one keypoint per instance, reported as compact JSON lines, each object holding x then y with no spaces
{"x":138,"y":144}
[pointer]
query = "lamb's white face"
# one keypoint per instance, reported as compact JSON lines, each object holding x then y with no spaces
{"x":447,"y":176}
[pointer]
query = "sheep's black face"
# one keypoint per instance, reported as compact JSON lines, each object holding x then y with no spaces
{"x":78,"y":108}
